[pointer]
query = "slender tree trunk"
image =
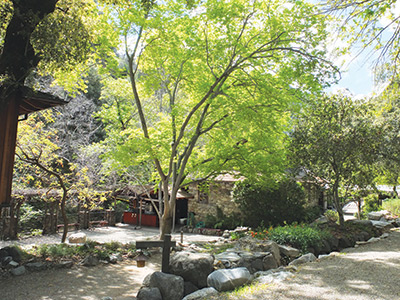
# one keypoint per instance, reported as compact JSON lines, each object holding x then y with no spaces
{"x":166,"y":220}
{"x":64,"y":215}
{"x":338,"y":205}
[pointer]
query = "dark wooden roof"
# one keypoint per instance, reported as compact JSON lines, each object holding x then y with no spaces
{"x":34,"y":101}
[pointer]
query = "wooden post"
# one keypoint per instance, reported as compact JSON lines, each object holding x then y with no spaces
{"x":166,"y":244}
{"x":8,"y":137}
{"x":166,"y":254}
{"x":140,"y":213}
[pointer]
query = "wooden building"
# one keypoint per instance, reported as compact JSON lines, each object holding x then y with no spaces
{"x":19,"y":105}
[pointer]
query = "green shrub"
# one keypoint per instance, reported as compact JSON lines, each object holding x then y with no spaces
{"x":332,"y":215}
{"x":392,"y":205}
{"x":371,"y":203}
{"x":273,"y":206}
{"x":311,"y":214}
{"x":301,"y":236}
{"x":221,"y":221}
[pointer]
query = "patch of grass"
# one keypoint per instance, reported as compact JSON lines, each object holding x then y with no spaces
{"x":301,"y":236}
{"x":101,"y":251}
{"x":213,"y":248}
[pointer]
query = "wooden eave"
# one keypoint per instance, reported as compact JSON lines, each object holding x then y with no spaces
{"x":32,"y":101}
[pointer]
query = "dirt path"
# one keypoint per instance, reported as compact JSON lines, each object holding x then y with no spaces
{"x":369,"y":272}
{"x":120,"y":281}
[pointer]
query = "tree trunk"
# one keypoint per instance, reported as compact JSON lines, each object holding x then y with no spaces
{"x":64,"y":215}
{"x":337,"y":203}
{"x":167,"y":216}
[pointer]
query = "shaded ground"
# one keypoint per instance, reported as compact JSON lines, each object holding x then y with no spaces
{"x":120,"y":281}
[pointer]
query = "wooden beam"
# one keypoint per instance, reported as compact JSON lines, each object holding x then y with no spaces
{"x":166,"y":244}
{"x":8,"y":137}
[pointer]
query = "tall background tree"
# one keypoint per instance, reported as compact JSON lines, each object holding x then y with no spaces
{"x":335,"y":139}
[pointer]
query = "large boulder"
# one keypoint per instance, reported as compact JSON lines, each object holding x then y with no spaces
{"x":193,"y":267}
{"x":252,"y":261}
{"x":12,"y":251}
{"x":269,"y":262}
{"x":77,"y":238}
{"x":377,"y":215}
{"x":228,"y":279}
{"x":289,"y":251}
{"x":309,"y":257}
{"x":200,"y":294}
{"x":228,"y":259}
{"x":149,"y":293}
{"x":254,"y":245}
{"x":382,"y":225}
{"x":171,"y":286}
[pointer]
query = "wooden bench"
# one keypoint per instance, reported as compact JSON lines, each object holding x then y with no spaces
{"x":72,"y":226}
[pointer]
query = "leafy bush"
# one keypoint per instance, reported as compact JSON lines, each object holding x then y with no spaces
{"x":311,"y":214}
{"x":273,"y":206}
{"x":221,"y":221}
{"x":392,"y":205}
{"x":371,"y":203}
{"x":301,"y":237}
{"x":332,"y":215}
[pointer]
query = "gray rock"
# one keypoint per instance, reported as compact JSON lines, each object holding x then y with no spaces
{"x":252,"y":262}
{"x":36,"y":266}
{"x":113,"y":259}
{"x":321,"y":220}
{"x":193,"y":267}
{"x":360,"y":222}
{"x":309,"y":257}
{"x":289,"y":251}
{"x":201,"y":294}
{"x":12,"y":264}
{"x":189,"y":288}
{"x":171,"y":286}
{"x":65,"y":264}
{"x":18,"y":271}
{"x":228,"y":279}
{"x":149,"y":293}
{"x":107,"y":298}
{"x":250,"y":244}
{"x":228,"y":259}
{"x":6,"y":260}
{"x":382,"y":225}
{"x":77,"y":238}
{"x":346,"y":242}
{"x":90,"y":261}
{"x":384,"y":236}
{"x":14,"y":252}
{"x":373,"y":240}
{"x":377,"y":215}
{"x":269,"y":262}
{"x":273,"y":248}
{"x":3,"y":253}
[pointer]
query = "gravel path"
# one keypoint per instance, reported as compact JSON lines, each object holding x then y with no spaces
{"x":369,"y":272}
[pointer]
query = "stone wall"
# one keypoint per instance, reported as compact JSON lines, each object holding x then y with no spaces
{"x":208,"y":198}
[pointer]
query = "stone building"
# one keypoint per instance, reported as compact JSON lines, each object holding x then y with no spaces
{"x":207,"y":196}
